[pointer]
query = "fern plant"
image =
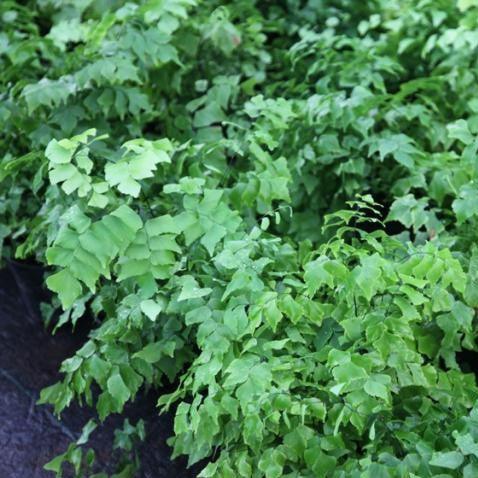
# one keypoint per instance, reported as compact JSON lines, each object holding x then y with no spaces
{"x":204,"y":178}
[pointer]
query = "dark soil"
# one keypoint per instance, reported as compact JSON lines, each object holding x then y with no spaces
{"x":30,"y":357}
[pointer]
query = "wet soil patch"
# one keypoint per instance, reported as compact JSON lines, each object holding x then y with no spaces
{"x":30,"y":357}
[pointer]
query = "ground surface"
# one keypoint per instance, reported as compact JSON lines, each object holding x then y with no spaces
{"x":29,"y":360}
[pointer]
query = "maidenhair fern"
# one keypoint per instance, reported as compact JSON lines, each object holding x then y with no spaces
{"x":271,"y":206}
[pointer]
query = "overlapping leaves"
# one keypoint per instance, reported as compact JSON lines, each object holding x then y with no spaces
{"x":189,"y":223}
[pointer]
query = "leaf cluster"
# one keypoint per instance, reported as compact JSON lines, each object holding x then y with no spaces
{"x":201,"y":177}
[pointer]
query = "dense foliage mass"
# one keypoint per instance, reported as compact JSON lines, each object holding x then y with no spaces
{"x":271,"y":205}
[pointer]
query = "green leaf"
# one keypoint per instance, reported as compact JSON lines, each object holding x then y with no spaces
{"x":66,"y":286}
{"x":98,"y":368}
{"x":212,"y":237}
{"x":272,"y":463}
{"x":459,"y":130}
{"x":368,"y":276}
{"x":118,"y":389}
{"x":55,"y":465}
{"x":151,"y":353}
{"x":466,"y":206}
{"x":349,"y":372}
{"x":239,"y":370}
{"x":139,"y":162}
{"x":253,"y":431}
{"x":272,"y":314}
{"x":210,"y":114}
{"x":86,"y":432}
{"x":163,"y":225}
{"x":236,"y":320}
{"x":316,"y":275}
{"x":151,"y":309}
{"x":467,"y":444}
{"x":60,"y":152}
{"x":376,"y":389}
{"x":191,"y":290}
{"x":450,"y":460}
